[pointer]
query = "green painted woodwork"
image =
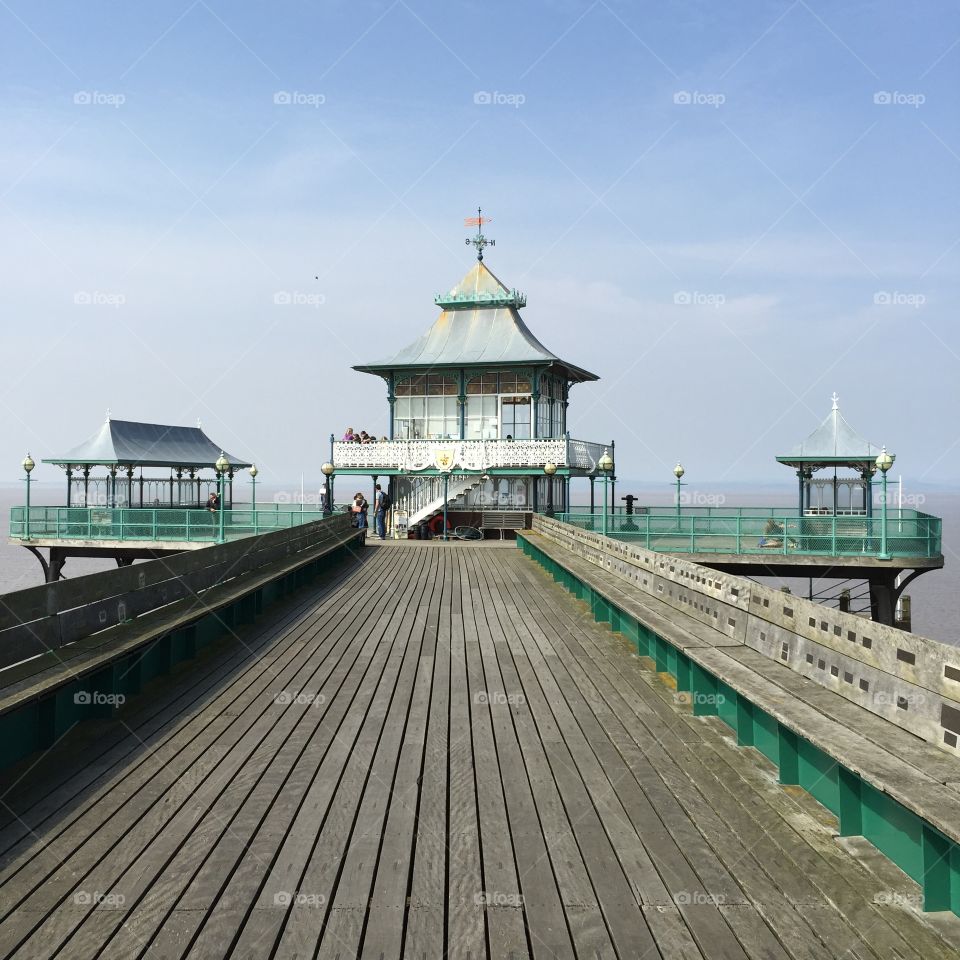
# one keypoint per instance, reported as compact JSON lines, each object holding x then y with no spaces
{"x":766,"y":733}
{"x":727,"y":701}
{"x":746,"y":732}
{"x":818,"y":775}
{"x":851,"y":804}
{"x":921,"y":851}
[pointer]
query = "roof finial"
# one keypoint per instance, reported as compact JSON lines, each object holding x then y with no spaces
{"x":108,"y":414}
{"x":198,"y":423}
{"x":835,"y":398}
{"x":479,"y":241}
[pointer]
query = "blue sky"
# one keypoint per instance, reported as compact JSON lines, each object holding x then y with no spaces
{"x":727,"y":211}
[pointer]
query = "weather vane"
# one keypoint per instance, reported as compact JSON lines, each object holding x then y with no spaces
{"x":479,"y":241}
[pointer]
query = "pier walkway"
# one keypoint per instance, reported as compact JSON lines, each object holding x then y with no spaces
{"x":434,"y":751}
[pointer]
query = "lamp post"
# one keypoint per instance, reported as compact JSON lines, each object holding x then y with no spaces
{"x":446,"y":487}
{"x":678,"y":472}
{"x":884,"y":462}
{"x":605,"y":463}
{"x":550,"y":469}
{"x":28,"y":466}
{"x":222,"y":466}
{"x":327,"y":470}
{"x":253,"y":479}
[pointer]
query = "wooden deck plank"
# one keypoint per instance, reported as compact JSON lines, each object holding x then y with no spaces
{"x":466,"y":929}
{"x":491,"y":774}
{"x":199,"y":804}
{"x":540,"y":897}
{"x":755,"y":834}
{"x":427,"y":917}
{"x":224,"y":884}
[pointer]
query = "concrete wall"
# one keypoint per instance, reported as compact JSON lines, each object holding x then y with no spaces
{"x":907,"y":679}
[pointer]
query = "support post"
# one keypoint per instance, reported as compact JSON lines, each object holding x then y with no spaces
{"x":745,"y":728}
{"x":936,"y":870}
{"x":789,"y":756}
{"x":851,"y":805}
{"x":446,"y":479}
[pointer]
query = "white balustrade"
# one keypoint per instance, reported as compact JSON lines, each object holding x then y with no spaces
{"x":414,"y":455}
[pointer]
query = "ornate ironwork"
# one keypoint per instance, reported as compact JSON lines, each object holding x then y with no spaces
{"x":455,"y":301}
{"x":479,"y":241}
{"x":475,"y":455}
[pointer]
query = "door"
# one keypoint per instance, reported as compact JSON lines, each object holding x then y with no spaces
{"x":515,"y":417}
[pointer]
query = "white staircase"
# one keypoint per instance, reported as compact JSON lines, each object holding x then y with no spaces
{"x":427,"y":498}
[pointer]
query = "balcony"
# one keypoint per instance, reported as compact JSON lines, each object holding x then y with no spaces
{"x":414,"y":456}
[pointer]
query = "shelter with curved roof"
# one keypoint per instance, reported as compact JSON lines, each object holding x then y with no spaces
{"x":127,"y":446}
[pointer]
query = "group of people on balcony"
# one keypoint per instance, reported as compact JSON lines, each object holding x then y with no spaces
{"x":361,"y":437}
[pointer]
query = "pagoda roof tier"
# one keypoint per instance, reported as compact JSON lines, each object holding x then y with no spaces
{"x":480,"y":326}
{"x":133,"y":444}
{"x":833,"y":443}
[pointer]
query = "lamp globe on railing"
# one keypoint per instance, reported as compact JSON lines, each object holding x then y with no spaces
{"x":550,"y":469}
{"x":222,"y":465}
{"x":28,"y":466}
{"x":678,"y":472}
{"x":327,"y":469}
{"x":605,"y":464}
{"x":884,"y":462}
{"x":253,"y":479}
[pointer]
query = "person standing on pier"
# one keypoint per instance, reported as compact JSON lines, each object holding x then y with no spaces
{"x":360,"y":507}
{"x":381,"y":503}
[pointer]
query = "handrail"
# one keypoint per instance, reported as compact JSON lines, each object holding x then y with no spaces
{"x":133,"y":524}
{"x":909,"y":533}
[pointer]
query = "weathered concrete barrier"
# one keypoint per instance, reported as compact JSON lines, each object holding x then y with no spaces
{"x":77,"y":649}
{"x":805,"y":686}
{"x":910,"y":680}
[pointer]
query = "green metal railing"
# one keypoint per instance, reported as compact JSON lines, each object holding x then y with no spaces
{"x":164,"y":524}
{"x":766,"y":531}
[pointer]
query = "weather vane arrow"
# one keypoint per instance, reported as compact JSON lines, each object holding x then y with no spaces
{"x":479,"y":241}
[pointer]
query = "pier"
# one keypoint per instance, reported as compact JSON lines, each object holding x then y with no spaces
{"x":453,"y":755}
{"x":487,"y":724}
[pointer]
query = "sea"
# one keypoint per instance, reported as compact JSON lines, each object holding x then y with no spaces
{"x":935,"y":595}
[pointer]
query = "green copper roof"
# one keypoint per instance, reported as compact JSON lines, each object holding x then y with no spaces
{"x":479,"y":325}
{"x":834,"y":442}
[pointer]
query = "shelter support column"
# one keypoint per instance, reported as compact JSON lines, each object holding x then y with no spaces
{"x":883,"y":596}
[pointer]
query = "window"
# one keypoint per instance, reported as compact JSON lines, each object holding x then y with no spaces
{"x":515,"y":417}
{"x":481,"y":421}
{"x":426,"y":408}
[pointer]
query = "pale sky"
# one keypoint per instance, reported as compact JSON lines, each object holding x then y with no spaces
{"x":727,"y":211}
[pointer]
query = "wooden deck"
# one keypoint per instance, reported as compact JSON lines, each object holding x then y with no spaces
{"x":435,"y":753}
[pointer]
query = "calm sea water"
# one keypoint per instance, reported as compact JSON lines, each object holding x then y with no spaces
{"x":936,"y":608}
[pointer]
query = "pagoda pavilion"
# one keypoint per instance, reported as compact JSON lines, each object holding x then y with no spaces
{"x":478,"y":411}
{"x":834,"y":447}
